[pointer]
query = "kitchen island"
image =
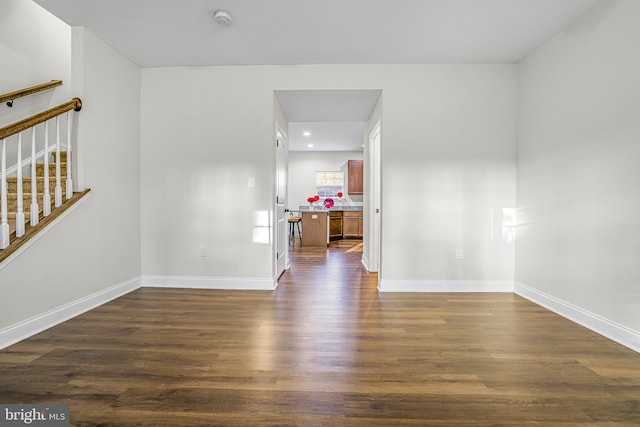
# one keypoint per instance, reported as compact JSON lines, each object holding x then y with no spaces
{"x":319,"y":226}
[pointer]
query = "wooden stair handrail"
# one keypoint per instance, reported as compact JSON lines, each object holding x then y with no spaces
{"x":17,"y":127}
{"x":28,"y":91}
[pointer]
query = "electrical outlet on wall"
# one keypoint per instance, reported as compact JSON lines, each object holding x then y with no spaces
{"x":203,"y":252}
{"x":459,"y":254}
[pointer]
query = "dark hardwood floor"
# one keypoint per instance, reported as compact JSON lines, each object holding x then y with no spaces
{"x":324,"y":349}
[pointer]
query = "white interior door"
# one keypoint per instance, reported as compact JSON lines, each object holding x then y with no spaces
{"x":374,"y":170}
{"x":282,"y":232}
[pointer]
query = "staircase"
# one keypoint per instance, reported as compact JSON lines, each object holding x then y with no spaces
{"x":17,"y":202}
{"x":12,"y":190}
{"x":15,"y":243}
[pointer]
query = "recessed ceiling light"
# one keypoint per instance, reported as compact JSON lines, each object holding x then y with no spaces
{"x":307,"y":133}
{"x":310,"y":145}
{"x":222,"y":17}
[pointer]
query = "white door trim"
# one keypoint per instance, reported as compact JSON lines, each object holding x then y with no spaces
{"x":281,"y":242}
{"x":376,"y":195}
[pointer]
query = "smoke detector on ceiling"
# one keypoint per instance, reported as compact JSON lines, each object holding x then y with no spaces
{"x":222,"y":17}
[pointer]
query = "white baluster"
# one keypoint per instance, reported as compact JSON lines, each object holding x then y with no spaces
{"x":34,"y":181}
{"x":4,"y":221}
{"x":19,"y":205}
{"x":69,"y":180}
{"x":46,"y":198}
{"x":58,"y":191}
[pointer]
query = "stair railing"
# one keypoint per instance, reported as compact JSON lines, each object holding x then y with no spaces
{"x":12,"y":96}
{"x":18,"y":129}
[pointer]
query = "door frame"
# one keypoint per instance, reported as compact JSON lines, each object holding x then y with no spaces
{"x":281,"y":228}
{"x":374,"y":211}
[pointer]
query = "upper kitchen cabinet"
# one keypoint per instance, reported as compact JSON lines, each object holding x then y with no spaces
{"x":355,"y":177}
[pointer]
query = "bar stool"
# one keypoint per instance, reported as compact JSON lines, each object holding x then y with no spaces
{"x":293,"y":221}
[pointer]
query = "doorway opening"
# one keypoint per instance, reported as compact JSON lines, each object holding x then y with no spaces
{"x":330,"y":131}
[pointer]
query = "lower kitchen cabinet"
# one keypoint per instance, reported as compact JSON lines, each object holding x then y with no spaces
{"x":352,"y":224}
{"x":314,"y":229}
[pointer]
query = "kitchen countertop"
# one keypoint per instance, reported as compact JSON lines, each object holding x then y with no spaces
{"x":334,"y":208}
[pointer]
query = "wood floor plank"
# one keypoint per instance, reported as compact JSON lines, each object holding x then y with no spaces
{"x":324,"y":349}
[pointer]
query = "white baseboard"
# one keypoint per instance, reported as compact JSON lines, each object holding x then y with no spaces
{"x":205,"y":282}
{"x":612,"y":330}
{"x":37,"y":324}
{"x":365,"y":262}
{"x":387,"y":285}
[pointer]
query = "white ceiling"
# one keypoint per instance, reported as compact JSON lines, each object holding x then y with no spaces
{"x":326,"y":136}
{"x":335,"y":118}
{"x":327,"y":105}
{"x":157,"y":33}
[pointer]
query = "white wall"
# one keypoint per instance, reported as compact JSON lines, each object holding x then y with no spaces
{"x":448,"y":163}
{"x":302,"y":173}
{"x":97,"y":246}
{"x":448,"y":170}
{"x":35,"y":48}
{"x":205,"y":132}
{"x":578,"y":173}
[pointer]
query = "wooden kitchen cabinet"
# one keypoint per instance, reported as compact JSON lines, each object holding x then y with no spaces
{"x":352,"y":224}
{"x":314,"y":229}
{"x":356,"y":173}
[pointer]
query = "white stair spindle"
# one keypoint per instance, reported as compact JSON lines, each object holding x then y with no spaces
{"x":4,"y":221}
{"x":69,"y":189}
{"x":34,"y":181}
{"x":19,"y":203}
{"x":46,"y":198}
{"x":58,"y":190}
